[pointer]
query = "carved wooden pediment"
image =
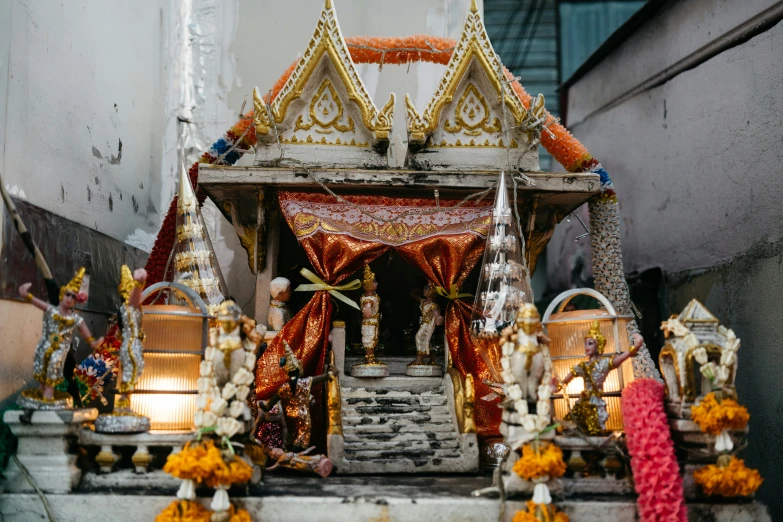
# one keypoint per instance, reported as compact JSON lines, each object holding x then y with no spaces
{"x":323,"y":115}
{"x":465,"y":125}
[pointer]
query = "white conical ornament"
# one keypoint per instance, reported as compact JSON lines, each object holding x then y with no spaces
{"x":194,"y":262}
{"x":220,"y":501}
{"x":504,"y":281}
{"x":541,"y":494}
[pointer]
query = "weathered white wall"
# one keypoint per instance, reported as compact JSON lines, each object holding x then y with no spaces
{"x":696,"y":164}
{"x":76,"y":79}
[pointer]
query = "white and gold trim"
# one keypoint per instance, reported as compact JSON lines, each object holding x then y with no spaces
{"x":324,"y":97}
{"x":466,"y":111}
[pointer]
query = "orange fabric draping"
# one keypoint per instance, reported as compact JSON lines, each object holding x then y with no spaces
{"x":334,"y":258}
{"x":338,"y":240}
{"x":447,"y":261}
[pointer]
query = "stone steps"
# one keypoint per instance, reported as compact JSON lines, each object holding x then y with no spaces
{"x":401,"y":424}
{"x":374,"y":436}
{"x":401,"y":428}
{"x":401,"y":418}
{"x":401,"y":454}
{"x":393,"y":445}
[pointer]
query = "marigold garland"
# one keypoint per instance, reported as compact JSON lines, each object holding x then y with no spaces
{"x":546,"y":461}
{"x":203,"y":463}
{"x":540,"y":513}
{"x":713,"y":417}
{"x":656,"y":473}
{"x":184,"y":511}
{"x":192,"y":511}
{"x":566,"y":149}
{"x":732,"y":480}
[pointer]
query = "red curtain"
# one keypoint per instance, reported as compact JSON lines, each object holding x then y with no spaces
{"x":446,"y":261}
{"x":334,"y":258}
{"x":339,"y":241}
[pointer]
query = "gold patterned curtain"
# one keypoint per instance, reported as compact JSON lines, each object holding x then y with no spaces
{"x":445,"y":242}
{"x":446,"y":261}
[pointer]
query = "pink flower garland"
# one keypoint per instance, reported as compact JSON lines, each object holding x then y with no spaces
{"x":655,"y":469}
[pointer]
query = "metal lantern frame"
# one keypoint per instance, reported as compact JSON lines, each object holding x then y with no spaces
{"x":200,"y":310}
{"x":609,"y":313}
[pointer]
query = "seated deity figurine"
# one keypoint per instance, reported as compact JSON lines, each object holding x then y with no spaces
{"x":430,"y":318}
{"x":589,"y":413}
{"x":294,"y":395}
{"x":59,"y":323}
{"x":227,"y":372}
{"x":370,"y":306}
{"x":279,"y":314}
{"x":125,"y":420}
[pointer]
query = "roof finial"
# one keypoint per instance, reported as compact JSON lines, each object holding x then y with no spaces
{"x":473,"y":6}
{"x":327,"y":4}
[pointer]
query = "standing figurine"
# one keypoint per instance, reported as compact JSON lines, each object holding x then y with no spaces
{"x":430,"y":318}
{"x":294,"y":395}
{"x":589,"y":413}
{"x":227,"y":373}
{"x":59,"y":322}
{"x":279,"y":314}
{"x":125,"y":420}
{"x":371,"y":306}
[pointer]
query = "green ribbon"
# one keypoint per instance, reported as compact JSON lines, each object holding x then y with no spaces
{"x":321,"y":285}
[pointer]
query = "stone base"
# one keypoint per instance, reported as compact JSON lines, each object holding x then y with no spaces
{"x":32,"y":399}
{"x":424,"y":370}
{"x":371,"y":498}
{"x":375,"y":370}
{"x":43,"y":450}
{"x":130,"y":423}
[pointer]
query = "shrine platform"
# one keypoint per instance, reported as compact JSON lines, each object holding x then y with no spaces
{"x":387,"y":498}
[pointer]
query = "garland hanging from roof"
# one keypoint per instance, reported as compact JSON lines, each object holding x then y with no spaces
{"x":566,"y":149}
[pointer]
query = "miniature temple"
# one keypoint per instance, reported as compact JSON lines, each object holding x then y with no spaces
{"x":395,"y":337}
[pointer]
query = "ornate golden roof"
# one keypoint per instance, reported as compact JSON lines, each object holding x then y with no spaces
{"x":472,"y":115}
{"x":326,"y":110}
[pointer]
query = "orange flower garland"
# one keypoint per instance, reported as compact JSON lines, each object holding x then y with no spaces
{"x":713,"y":417}
{"x":566,"y":149}
{"x":184,"y":511}
{"x":192,"y":511}
{"x":540,"y":462}
{"x":540,"y":513}
{"x":730,"y":480}
{"x":203,"y":463}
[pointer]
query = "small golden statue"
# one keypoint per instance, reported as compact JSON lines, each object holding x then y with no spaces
{"x":59,"y":323}
{"x":430,"y":318}
{"x":371,"y":306}
{"x":589,"y":413}
{"x":123,"y":419}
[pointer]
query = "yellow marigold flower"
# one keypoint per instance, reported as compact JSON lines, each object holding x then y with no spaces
{"x":540,"y":461}
{"x":732,"y":480}
{"x":713,"y":417}
{"x":540,"y":513}
{"x":239,"y":515}
{"x":184,"y":511}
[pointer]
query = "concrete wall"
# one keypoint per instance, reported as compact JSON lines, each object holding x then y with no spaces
{"x":696,"y":164}
{"x":82,"y":86}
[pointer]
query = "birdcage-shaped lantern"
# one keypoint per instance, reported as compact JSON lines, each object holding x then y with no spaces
{"x":567,"y":330}
{"x":175,"y":336}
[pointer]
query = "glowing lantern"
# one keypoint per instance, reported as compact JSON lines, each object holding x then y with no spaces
{"x":174,"y":342}
{"x":567,"y":330}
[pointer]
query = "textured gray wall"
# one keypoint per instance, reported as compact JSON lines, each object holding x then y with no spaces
{"x":696,"y":163}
